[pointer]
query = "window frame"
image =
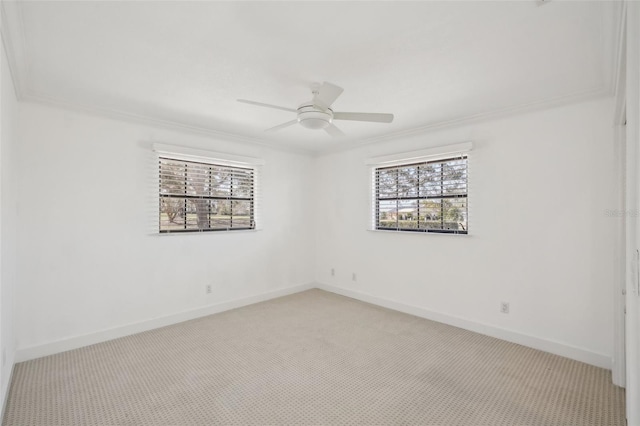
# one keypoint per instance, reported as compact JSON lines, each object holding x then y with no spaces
{"x":181,"y":153}
{"x":203,"y":197}
{"x":415,"y":159}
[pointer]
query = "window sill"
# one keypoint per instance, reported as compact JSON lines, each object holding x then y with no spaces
{"x":389,"y":231}
{"x":239,"y":231}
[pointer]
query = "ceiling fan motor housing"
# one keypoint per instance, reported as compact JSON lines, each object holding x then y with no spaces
{"x":314,"y":118}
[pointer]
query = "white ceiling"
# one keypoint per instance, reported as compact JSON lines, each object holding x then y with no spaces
{"x":429,"y":63}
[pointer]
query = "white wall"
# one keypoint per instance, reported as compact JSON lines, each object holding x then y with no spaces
{"x":88,"y":259}
{"x":539,"y":236}
{"x":8,"y":223}
{"x":540,"y":184}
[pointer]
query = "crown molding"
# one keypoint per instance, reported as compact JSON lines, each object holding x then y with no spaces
{"x":121,"y":115}
{"x":13,"y":40}
{"x":523,"y":108}
{"x":621,"y":70}
{"x":619,"y":62}
{"x":608,"y":88}
{"x":170,"y":125}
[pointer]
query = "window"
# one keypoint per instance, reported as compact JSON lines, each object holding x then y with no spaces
{"x":429,"y":196}
{"x":197,"y":196}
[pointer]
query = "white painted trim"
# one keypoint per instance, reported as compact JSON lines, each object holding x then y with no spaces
{"x":394,"y":232}
{"x":557,"y":348}
{"x":423,"y":154}
{"x":187,"y":153}
{"x":632,"y":319}
{"x":117,"y":114}
{"x":621,"y":76}
{"x":614,"y":54}
{"x":618,"y":361}
{"x":7,"y":384}
{"x":33,"y":352}
{"x":14,"y":54}
{"x":498,"y":114}
{"x":18,"y":56}
{"x":146,"y":120}
{"x":7,"y":387}
{"x":619,"y":277}
{"x":620,"y":63}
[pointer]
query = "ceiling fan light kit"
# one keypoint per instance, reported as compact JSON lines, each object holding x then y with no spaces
{"x":317,"y":113}
{"x":312,"y":118}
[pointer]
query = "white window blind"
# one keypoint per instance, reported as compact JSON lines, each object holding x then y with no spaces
{"x":424,"y":196}
{"x":200,"y":196}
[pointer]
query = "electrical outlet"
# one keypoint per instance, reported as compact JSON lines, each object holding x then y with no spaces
{"x":353,"y":277}
{"x":208,"y":289}
{"x":504,"y":307}
{"x":333,"y":272}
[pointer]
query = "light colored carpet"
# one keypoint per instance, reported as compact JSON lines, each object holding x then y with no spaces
{"x":312,"y":358}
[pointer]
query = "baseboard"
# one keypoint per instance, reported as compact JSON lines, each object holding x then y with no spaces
{"x":6,"y":385}
{"x":557,"y":348}
{"x":33,"y":352}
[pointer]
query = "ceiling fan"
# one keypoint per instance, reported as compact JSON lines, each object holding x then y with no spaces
{"x":317,"y":113}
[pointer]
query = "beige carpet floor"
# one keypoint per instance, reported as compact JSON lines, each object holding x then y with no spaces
{"x":312,"y":358}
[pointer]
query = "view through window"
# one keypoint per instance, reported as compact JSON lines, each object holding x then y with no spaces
{"x":429,"y":196}
{"x":196,"y":197}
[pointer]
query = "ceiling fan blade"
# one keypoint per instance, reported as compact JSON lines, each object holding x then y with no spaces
{"x":244,"y":101}
{"x":363,"y":116}
{"x":334,"y":131}
{"x":282,"y":126}
{"x":327,"y":95}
